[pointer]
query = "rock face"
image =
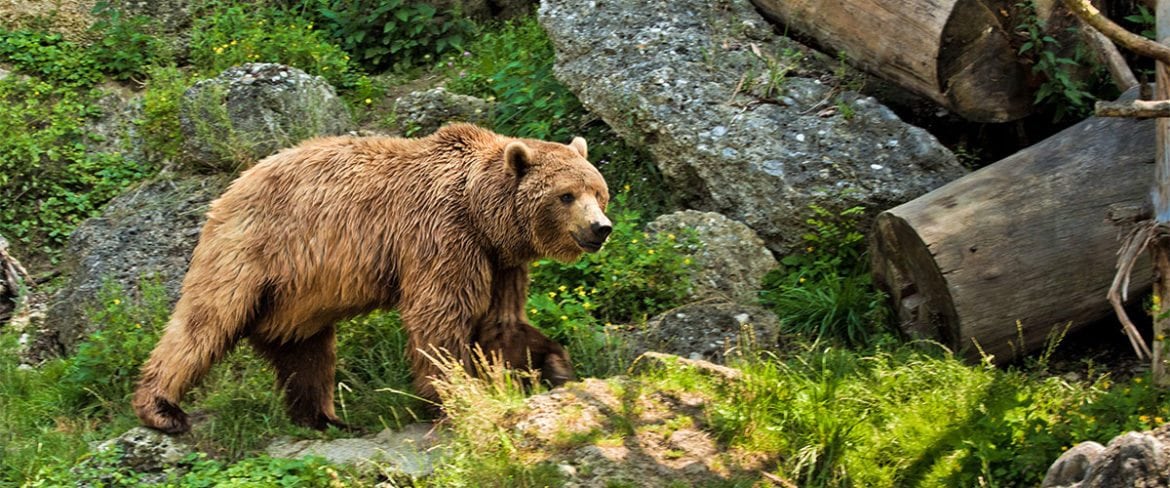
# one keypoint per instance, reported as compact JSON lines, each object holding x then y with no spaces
{"x":732,"y":260}
{"x":421,"y":113}
{"x":1133,"y":459}
{"x":149,"y":231}
{"x":251,"y":111}
{"x":409,"y":452}
{"x":709,"y":330}
{"x":737,"y":124}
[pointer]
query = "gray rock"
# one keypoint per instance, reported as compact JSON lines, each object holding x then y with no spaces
{"x":253,"y":110}
{"x":145,"y":453}
{"x":734,"y":124}
{"x":410,"y":452}
{"x":709,"y":330}
{"x":149,"y":231}
{"x":114,"y":130}
{"x":1072,"y":467}
{"x":1131,"y":459}
{"x":732,"y":259}
{"x":420,"y":113}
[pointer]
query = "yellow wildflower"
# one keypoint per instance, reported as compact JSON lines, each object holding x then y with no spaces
{"x":1159,"y":420}
{"x":552,"y":294}
{"x":810,"y":249}
{"x":564,"y":317}
{"x":1137,"y":380}
{"x":219,"y":50}
{"x":534,"y":311}
{"x":670,"y":236}
{"x":649,"y":251}
{"x":1144,"y":418}
{"x":802,"y":279}
{"x":586,"y":305}
{"x":117,"y":301}
{"x":635,"y":241}
{"x":626,"y":188}
{"x":687,"y":261}
{"x":368,"y":101}
{"x":233,"y":42}
{"x":562,"y":288}
{"x":536,"y":264}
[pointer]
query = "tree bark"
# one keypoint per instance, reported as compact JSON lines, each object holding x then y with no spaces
{"x":954,"y":52}
{"x":1026,"y":240}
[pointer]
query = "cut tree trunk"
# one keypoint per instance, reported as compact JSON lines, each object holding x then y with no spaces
{"x":1028,"y":240}
{"x":955,"y":52}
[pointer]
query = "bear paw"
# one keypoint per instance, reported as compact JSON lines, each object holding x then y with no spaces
{"x":165,"y":416}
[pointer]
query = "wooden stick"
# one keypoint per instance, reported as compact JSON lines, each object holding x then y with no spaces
{"x":1138,"y":44}
{"x":1141,"y":109}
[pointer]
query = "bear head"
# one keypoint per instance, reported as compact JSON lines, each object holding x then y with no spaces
{"x":559,"y":195}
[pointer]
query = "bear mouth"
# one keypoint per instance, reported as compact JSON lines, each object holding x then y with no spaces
{"x":591,"y":246}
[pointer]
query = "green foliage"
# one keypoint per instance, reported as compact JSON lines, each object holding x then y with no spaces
{"x":373,"y":372}
{"x":103,"y":372}
{"x":1066,"y":95}
{"x":513,"y":67}
{"x":825,"y":292}
{"x":125,"y":49}
{"x":159,"y":124}
{"x":49,"y":57}
{"x":48,"y":175}
{"x":392,"y":33}
{"x":228,"y":35}
{"x":1144,"y":19}
{"x":199,"y":471}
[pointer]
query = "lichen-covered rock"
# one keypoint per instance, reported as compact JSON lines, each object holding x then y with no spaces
{"x":423,"y":112}
{"x":736,"y":124}
{"x":149,"y":231}
{"x":410,"y":452}
{"x":115,"y":130}
{"x":1130,"y":460}
{"x":144,"y":453}
{"x":709,"y":330}
{"x":730,"y":261}
{"x":253,"y":110}
{"x":1072,"y":466}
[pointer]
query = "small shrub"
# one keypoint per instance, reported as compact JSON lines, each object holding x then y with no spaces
{"x":229,"y":35}
{"x":825,"y":291}
{"x":48,"y":177}
{"x":103,"y":372}
{"x":160,"y":112}
{"x":49,"y":57}
{"x":392,"y":33}
{"x":1066,"y":95}
{"x":125,"y":49}
{"x":513,"y":67}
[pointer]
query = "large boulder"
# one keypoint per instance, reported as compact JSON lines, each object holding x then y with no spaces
{"x":740,"y":121}
{"x":730,"y":260}
{"x":147,"y":454}
{"x":149,"y":231}
{"x":253,"y":110}
{"x":423,"y":112}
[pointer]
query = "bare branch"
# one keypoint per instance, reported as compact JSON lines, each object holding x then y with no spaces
{"x":1142,"y":109}
{"x":1138,"y":44}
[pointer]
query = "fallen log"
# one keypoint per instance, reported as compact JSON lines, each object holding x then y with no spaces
{"x":954,"y":52}
{"x":1028,"y":240}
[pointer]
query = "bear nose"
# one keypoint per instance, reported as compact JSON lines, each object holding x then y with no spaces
{"x":601,"y":230}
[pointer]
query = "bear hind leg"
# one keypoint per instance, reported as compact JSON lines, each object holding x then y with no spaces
{"x":305,"y":371}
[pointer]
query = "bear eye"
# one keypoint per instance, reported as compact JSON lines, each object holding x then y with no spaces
{"x":567,"y":198}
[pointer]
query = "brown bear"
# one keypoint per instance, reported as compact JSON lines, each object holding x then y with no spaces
{"x":443,"y":228}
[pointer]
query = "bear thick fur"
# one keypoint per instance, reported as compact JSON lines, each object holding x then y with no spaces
{"x":442,"y":227}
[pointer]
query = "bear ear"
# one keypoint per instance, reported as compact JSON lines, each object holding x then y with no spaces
{"x":579,"y":144}
{"x":517,"y":158}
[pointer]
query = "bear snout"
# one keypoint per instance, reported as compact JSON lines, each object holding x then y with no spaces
{"x":601,"y":230}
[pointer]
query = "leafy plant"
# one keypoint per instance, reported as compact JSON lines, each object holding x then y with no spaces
{"x":125,"y":49}
{"x":228,"y":35}
{"x":49,"y":57}
{"x":48,"y":175}
{"x":392,"y":33}
{"x":1058,"y":89}
{"x":825,"y":291}
{"x":513,"y":67}
{"x":160,"y":112}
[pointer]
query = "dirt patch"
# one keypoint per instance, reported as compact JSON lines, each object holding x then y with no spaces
{"x":615,"y":432}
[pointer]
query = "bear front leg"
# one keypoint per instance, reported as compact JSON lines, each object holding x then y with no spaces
{"x":507,"y":333}
{"x":305,"y":371}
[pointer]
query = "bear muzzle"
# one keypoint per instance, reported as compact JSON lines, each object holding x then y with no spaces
{"x":594,"y":237}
